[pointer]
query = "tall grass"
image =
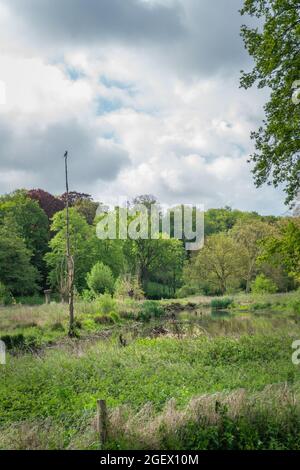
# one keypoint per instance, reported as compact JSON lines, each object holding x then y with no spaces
{"x":228,"y":421}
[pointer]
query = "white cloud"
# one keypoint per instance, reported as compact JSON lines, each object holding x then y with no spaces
{"x":156,"y":114}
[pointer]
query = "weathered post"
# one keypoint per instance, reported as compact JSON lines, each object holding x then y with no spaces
{"x":102,"y":421}
{"x":70,"y":260}
{"x":47,"y":293}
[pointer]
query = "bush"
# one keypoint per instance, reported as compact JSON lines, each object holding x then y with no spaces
{"x":35,"y":299}
{"x":58,"y":326}
{"x":186,"y":291}
{"x":5,"y":296}
{"x":263,"y":285}
{"x":104,"y":320}
{"x":150,"y":309}
{"x":260,"y":306}
{"x":21,"y":342}
{"x":106,"y":304}
{"x":87,"y":295}
{"x":157,"y":291}
{"x":129,"y":287}
{"x":100,"y":279}
{"x":294,"y":305}
{"x":115,"y":317}
{"x":221,"y":304}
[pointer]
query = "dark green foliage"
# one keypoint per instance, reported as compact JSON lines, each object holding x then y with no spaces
{"x":58,"y":326}
{"x":36,"y":299}
{"x":221,"y":304}
{"x":260,"y":306}
{"x":150,"y":310}
{"x":262,"y":431}
{"x":157,"y":291}
{"x":6,"y":297}
{"x":16,"y":271}
{"x":23,"y":216}
{"x":20,"y":342}
{"x":274,"y":46}
{"x":295,"y":306}
{"x":223,"y":220}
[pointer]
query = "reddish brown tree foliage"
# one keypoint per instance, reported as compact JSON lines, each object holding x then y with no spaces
{"x":75,"y":197}
{"x":49,"y":203}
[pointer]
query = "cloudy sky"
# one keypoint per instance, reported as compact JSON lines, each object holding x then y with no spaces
{"x":143,"y":93}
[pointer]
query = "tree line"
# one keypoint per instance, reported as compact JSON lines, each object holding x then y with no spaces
{"x":242,"y":251}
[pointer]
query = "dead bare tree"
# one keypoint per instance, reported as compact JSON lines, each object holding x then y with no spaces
{"x":70,"y":260}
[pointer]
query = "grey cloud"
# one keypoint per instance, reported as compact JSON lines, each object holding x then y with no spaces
{"x":213,"y":41}
{"x":84,"y":21}
{"x":37,"y":151}
{"x":193,"y":36}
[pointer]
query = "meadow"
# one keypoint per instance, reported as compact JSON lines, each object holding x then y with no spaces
{"x":186,"y":376}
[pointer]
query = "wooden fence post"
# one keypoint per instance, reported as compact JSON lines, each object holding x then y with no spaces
{"x":102,"y":421}
{"x":47,"y":293}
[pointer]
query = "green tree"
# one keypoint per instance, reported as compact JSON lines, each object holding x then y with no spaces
{"x":249,"y":236}
{"x":263,"y":285}
{"x":110,"y":252}
{"x":82,"y":242}
{"x":100,"y":279}
{"x":24,"y":216}
{"x":6,"y":297}
{"x":284,"y":247}
{"x":274,"y":45}
{"x":218,"y":264}
{"x":16,"y":271}
{"x":168,"y":268}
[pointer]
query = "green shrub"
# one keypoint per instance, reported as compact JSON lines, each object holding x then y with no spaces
{"x":129,"y":287}
{"x":19,"y":341}
{"x":104,"y":320}
{"x":106,"y":304}
{"x":5,"y":296}
{"x":263,"y":285}
{"x":294,"y":305}
{"x":100,"y":279}
{"x":58,"y":326}
{"x":260,"y":306}
{"x":87,"y":295}
{"x":88,"y":324}
{"x":127,"y":315}
{"x":35,"y":299}
{"x":221,"y":304}
{"x":115,"y":317}
{"x":207,"y":288}
{"x":186,"y":291}
{"x":150,"y":309}
{"x":157,"y":291}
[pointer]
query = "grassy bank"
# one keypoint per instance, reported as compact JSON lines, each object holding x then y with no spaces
{"x":239,"y":365}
